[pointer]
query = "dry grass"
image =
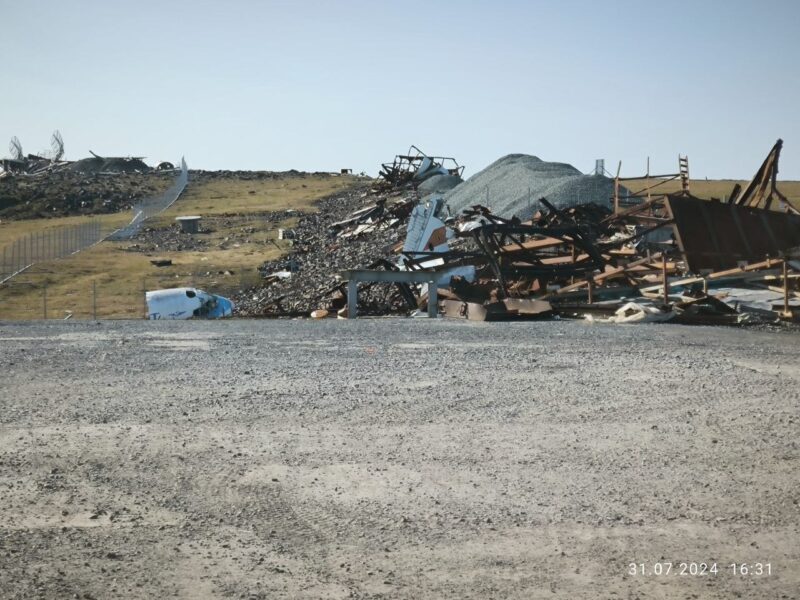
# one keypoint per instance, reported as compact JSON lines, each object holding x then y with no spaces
{"x":223,"y":196}
{"x":12,"y":230}
{"x":119,"y":276}
{"x":718,"y":188}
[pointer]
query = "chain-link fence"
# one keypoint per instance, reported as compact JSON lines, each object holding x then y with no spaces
{"x":41,"y":293}
{"x":57,"y":242}
{"x":47,"y":244}
{"x":152,"y":206}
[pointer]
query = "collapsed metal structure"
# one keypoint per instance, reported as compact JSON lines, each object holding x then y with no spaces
{"x":664,"y":248}
{"x":416,"y":166}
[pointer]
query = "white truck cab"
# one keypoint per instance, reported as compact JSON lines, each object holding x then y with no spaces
{"x":186,"y":303}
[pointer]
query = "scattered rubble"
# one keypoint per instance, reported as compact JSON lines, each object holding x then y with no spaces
{"x":340,"y":235}
{"x":172,"y":238}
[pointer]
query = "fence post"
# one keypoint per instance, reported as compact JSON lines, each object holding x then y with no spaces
{"x":44,"y":297}
{"x":144,"y":296}
{"x":94,"y":300}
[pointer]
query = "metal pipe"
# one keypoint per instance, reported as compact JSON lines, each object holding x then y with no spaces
{"x":666,"y":280}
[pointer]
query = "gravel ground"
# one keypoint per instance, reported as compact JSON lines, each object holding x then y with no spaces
{"x":396,"y":458}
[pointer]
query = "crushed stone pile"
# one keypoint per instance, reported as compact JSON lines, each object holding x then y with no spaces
{"x":511,"y":186}
{"x":439,"y":184}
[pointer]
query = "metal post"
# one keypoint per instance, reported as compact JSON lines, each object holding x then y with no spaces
{"x":786,"y":312}
{"x":705,"y":286}
{"x":590,"y":281}
{"x":574,"y":258}
{"x":664,"y":275}
{"x":44,"y":297}
{"x":352,"y":298}
{"x":94,"y":300}
{"x":144,"y":297}
{"x":433,"y":299}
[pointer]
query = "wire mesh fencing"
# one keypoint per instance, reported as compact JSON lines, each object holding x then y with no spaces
{"x":58,"y":242}
{"x":153,"y":206}
{"x":43,"y":293}
{"x":48,"y":244}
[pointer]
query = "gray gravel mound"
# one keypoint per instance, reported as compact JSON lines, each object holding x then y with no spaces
{"x":513,"y":184}
{"x":439,"y":184}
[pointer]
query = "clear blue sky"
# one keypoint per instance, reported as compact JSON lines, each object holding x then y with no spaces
{"x":329,"y":84}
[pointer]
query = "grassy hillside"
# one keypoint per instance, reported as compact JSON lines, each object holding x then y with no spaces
{"x":238,"y":241}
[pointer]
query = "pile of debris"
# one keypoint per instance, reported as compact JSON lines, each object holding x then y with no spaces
{"x":113,"y":165}
{"x":659,"y":257}
{"x":648,"y":257}
{"x":341,"y":234}
{"x":65,"y":192}
{"x":43,"y":185}
{"x":415,"y":167}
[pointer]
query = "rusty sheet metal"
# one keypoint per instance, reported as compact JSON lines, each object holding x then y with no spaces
{"x":715,"y":236}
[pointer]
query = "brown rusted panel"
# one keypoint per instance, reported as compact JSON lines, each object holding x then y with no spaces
{"x":527,"y":306}
{"x":463,"y":310}
{"x":717,"y":236}
{"x":509,"y":309}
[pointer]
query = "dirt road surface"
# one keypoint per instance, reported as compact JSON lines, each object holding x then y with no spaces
{"x":397,"y":458}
